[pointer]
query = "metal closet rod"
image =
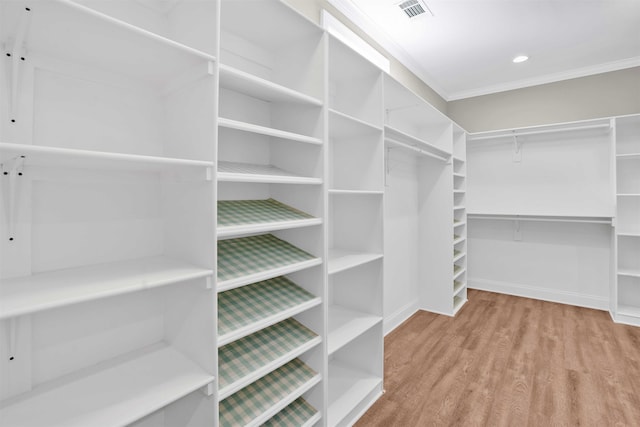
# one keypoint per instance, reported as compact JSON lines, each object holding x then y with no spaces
{"x":541,"y":218}
{"x":416,"y":149}
{"x":539,"y":132}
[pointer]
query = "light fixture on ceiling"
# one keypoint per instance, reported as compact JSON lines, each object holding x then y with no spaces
{"x":414,"y":8}
{"x":520,"y":58}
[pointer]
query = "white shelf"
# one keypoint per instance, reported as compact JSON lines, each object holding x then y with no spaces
{"x":541,"y":217}
{"x":36,"y":155}
{"x":348,"y":388}
{"x":629,"y":156}
{"x":115,"y":396}
{"x":629,"y":234}
{"x":267,"y":131}
{"x":628,"y":310}
{"x":459,"y":224}
{"x":458,"y":302}
{"x":394,"y":135}
{"x":459,"y":273}
{"x":44,"y":291}
{"x":342,"y":125}
{"x":240,"y":81}
{"x":345,"y":325}
{"x":459,"y":256}
{"x":458,"y":240}
{"x":459,"y":287}
{"x":340,"y":259}
{"x":106,"y":43}
{"x":459,"y":191}
{"x":628,"y":194}
{"x":458,"y":208}
{"x":356,"y":192}
{"x":246,"y":172}
{"x":459,"y":175}
{"x":629,"y":272}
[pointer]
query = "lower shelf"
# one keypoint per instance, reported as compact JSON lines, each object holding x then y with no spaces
{"x":341,"y":259}
{"x":348,"y":388}
{"x":298,"y":413}
{"x":261,"y":400}
{"x":114,"y":396}
{"x":252,"y":357}
{"x":346,"y":325}
{"x":457,"y":287}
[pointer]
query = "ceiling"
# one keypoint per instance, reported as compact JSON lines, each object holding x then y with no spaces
{"x":466,"y":47}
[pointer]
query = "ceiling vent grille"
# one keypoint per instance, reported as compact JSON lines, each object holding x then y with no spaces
{"x":414,"y":8}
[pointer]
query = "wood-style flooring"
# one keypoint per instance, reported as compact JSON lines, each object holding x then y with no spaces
{"x":509,"y":361}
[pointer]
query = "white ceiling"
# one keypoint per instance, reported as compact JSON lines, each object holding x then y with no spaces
{"x":466,"y":48}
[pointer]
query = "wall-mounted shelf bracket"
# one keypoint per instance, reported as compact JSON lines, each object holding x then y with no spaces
{"x":11,"y":170}
{"x":208,"y":390}
{"x":209,"y":282}
{"x":517,"y":149}
{"x":15,"y":55}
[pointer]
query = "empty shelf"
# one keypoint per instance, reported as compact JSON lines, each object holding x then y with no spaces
{"x":43,"y":291}
{"x":348,"y":387}
{"x":457,"y":271}
{"x":628,"y":310}
{"x":267,"y":131}
{"x":248,"y":359}
{"x":115,"y":396}
{"x":252,"y":259}
{"x":247,"y":309}
{"x":458,"y":302}
{"x":397,"y":136}
{"x":261,"y":400}
{"x":247,"y":172}
{"x":240,"y":81}
{"x":628,"y":156}
{"x":457,"y":287}
{"x":298,"y":413}
{"x":457,"y":255}
{"x":457,"y":239}
{"x":629,"y":272}
{"x":342,"y":125}
{"x":341,"y":259}
{"x":253,"y":216}
{"x":346,"y":325}
{"x":38,"y":155}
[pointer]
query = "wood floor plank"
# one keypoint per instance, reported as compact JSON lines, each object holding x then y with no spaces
{"x":510,"y":361}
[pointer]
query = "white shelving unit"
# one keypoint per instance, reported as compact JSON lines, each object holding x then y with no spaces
{"x":459,"y":214}
{"x":107,"y":152}
{"x":626,"y":283}
{"x":271,"y":215}
{"x":355,"y":256}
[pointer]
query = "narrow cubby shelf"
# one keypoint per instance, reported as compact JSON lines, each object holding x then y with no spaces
{"x":42,"y":291}
{"x":246,"y":360}
{"x":457,"y":255}
{"x":248,"y":172}
{"x":458,"y":175}
{"x":343,"y":259}
{"x":629,"y":272}
{"x":458,"y":223}
{"x":254,"y":216}
{"x":392,"y":135}
{"x":249,"y":84}
{"x":56,"y":157}
{"x":267,"y":131}
{"x":458,"y":302}
{"x":348,"y":387}
{"x":458,"y":271}
{"x":264,"y":398}
{"x":457,"y":239}
{"x":346,"y":324}
{"x":297,"y":413}
{"x":244,"y":310}
{"x":113,"y":396}
{"x":248,"y":260}
{"x":458,"y":287}
{"x":458,"y":208}
{"x":120,"y":52}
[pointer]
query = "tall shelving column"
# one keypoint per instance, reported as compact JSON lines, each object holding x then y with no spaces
{"x":459,"y":218}
{"x":355,"y":267}
{"x":627,"y":238}
{"x":108,"y":251}
{"x":270,"y":223}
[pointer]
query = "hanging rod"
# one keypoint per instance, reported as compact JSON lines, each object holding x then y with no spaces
{"x":416,"y":149}
{"x":511,"y":134}
{"x":542,"y":218}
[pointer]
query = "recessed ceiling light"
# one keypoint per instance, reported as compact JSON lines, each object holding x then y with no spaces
{"x":520,"y":58}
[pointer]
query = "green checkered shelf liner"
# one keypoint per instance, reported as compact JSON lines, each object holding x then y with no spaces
{"x":243,"y":212}
{"x":255,"y":399}
{"x":249,"y":255}
{"x":294,"y":415}
{"x":245,"y":356}
{"x":243,"y":306}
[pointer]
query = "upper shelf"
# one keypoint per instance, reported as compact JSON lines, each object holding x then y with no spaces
{"x":252,"y":259}
{"x":52,"y":29}
{"x":44,"y":291}
{"x":115,"y":396}
{"x":267,"y":131}
{"x":240,"y":81}
{"x":342,"y":125}
{"x":397,"y":137}
{"x":253,"y":216}
{"x":602,"y":125}
{"x":538,"y":217}
{"x":37,"y":155}
{"x":248,"y":172}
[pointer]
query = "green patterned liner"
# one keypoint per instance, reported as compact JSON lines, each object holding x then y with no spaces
{"x":250,"y":255}
{"x":249,"y":304}
{"x":247,"y":355}
{"x":244,"y":406}
{"x":296,"y":414}
{"x":245,"y":212}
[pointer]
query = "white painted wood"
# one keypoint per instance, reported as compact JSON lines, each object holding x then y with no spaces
{"x":263,"y":130}
{"x":348,"y":387}
{"x":114,"y":396}
{"x":225,"y":285}
{"x":341,"y":259}
{"x":261,"y":228}
{"x":346,"y":325}
{"x":246,"y":172}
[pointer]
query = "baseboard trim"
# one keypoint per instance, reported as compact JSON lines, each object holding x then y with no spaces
{"x":544,"y":294}
{"x":403,"y":313}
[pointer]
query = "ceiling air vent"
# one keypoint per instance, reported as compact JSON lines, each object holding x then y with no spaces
{"x":414,"y":8}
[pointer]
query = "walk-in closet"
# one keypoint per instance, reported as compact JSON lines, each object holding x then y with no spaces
{"x":262,"y":212}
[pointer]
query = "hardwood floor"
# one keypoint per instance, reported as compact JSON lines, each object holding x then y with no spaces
{"x":509,"y":361}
